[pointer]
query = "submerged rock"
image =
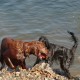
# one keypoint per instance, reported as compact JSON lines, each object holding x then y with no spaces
{"x":40,"y":71}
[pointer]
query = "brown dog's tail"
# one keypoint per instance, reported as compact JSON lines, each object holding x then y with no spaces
{"x":2,"y":61}
{"x":0,"y":56}
{"x":75,"y":39}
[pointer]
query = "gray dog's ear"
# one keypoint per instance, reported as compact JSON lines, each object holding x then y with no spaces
{"x":45,"y":41}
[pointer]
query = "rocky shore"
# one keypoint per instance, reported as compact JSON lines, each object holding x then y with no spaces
{"x":40,"y":71}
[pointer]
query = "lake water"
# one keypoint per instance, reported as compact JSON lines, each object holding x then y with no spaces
{"x":29,"y":19}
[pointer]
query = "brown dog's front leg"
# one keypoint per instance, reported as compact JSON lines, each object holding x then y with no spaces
{"x":23,"y":65}
{"x":37,"y":61}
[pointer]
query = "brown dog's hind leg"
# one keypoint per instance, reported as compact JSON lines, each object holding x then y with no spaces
{"x":2,"y":64}
{"x":9,"y":63}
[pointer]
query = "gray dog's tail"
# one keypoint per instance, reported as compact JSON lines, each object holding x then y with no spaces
{"x":74,"y":47}
{"x":75,"y":39}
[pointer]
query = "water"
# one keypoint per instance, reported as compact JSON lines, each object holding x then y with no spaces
{"x":29,"y":19}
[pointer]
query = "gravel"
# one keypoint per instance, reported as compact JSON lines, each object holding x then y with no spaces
{"x":40,"y":71}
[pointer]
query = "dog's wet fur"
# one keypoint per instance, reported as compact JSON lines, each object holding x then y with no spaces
{"x":14,"y":52}
{"x":64,"y":55}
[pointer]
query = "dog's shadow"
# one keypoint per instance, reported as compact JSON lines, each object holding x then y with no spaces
{"x":62,"y":73}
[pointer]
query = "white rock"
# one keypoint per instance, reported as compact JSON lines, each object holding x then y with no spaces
{"x":17,"y":74}
{"x":0,"y":78}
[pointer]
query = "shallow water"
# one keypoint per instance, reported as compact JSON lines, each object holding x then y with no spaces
{"x":29,"y":19}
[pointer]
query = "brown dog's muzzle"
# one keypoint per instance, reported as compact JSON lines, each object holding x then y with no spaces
{"x":42,"y":56}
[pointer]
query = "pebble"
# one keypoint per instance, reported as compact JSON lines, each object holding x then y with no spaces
{"x":0,"y":78}
{"x":17,"y":74}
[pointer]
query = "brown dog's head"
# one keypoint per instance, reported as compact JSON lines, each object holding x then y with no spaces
{"x":43,"y":51}
{"x":36,"y":48}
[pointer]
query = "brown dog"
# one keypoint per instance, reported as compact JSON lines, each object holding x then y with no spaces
{"x":14,"y":52}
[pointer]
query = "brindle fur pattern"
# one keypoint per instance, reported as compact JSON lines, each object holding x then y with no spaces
{"x":14,"y":52}
{"x":64,"y":55}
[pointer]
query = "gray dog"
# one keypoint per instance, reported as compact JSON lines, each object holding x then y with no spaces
{"x":64,"y":55}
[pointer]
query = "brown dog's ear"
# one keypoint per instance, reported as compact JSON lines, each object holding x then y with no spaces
{"x":27,"y":54}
